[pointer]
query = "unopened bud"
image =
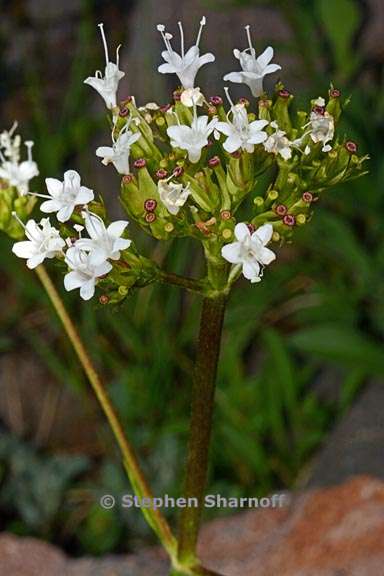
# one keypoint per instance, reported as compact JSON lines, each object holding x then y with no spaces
{"x":150,"y":205}
{"x":169,"y":227}
{"x":215,"y":161}
{"x":104,"y":299}
{"x":334,"y":93}
{"x":123,"y":112}
{"x":216,"y":100}
{"x":236,"y":154}
{"x":244,"y":101}
{"x":284,"y":93}
{"x":258,"y":201}
{"x":212,"y":110}
{"x":127,"y":178}
{"x":289,"y":220}
{"x":140,"y":163}
{"x":225,"y":215}
{"x":150,"y":217}
{"x":161,"y":174}
{"x":351,"y":146}
{"x":275,"y":236}
{"x":281,"y":210}
{"x":301,"y":219}
{"x":307,"y":197}
{"x":178,"y":171}
{"x":227,"y":233}
{"x":165,"y":108}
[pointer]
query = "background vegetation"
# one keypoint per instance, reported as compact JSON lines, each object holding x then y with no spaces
{"x":317,"y":317}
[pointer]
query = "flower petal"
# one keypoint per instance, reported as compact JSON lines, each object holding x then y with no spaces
{"x":264,"y":233}
{"x":264,"y":59}
{"x":242,"y":231}
{"x":232,"y":252}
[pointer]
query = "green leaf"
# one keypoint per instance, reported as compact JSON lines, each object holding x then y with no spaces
{"x":340,"y":19}
{"x":341,"y":344}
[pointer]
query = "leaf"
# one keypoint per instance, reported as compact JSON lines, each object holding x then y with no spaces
{"x":341,"y":344}
{"x":341,"y":19}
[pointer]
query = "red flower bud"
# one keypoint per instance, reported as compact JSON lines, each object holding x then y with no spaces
{"x":225,"y":215}
{"x":307,"y":197}
{"x":335,"y":93}
{"x":150,"y":205}
{"x":281,"y":210}
{"x":140,"y":163}
{"x":289,"y":220}
{"x":215,"y":161}
{"x":150,"y":217}
{"x":127,"y":178}
{"x":216,"y":100}
{"x":178,"y":171}
{"x":284,"y":93}
{"x":244,"y":101}
{"x":236,"y":154}
{"x":165,"y":108}
{"x":123,"y":112}
{"x":351,"y":146}
{"x":161,"y":174}
{"x":104,"y":299}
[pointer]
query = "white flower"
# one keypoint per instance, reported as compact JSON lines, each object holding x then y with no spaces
{"x":192,"y":97}
{"x":240,"y":133}
{"x":43,"y":242}
{"x":322,"y":127}
{"x":192,"y":138}
{"x":64,"y":196}
{"x":108,"y":84}
{"x":187,"y":65}
{"x":173,"y":195}
{"x":118,"y":153}
{"x":253,"y":69}
{"x":16,"y":173}
{"x":278,"y":143}
{"x":83,"y":274}
{"x":250,"y":250}
{"x":103,"y":243}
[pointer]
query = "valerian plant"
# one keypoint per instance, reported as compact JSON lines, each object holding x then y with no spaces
{"x":193,"y":167}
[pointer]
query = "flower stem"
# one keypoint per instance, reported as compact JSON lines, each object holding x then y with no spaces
{"x":190,"y":284}
{"x":139,"y":483}
{"x":203,"y":393}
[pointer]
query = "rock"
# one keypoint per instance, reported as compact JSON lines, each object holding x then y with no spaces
{"x":335,"y":531}
{"x":356,"y":444}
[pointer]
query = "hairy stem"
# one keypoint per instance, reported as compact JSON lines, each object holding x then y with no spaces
{"x":203,"y":393}
{"x":131,"y":464}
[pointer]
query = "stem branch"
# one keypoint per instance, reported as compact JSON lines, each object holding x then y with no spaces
{"x":131,"y":463}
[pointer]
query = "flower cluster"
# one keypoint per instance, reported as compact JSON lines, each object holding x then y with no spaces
{"x":192,"y":167}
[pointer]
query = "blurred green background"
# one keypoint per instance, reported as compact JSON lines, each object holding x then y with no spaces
{"x":318,"y":315}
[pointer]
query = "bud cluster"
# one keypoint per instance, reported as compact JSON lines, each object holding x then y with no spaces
{"x":193,"y":167}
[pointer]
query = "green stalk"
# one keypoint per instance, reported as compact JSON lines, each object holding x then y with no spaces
{"x":203,"y":393}
{"x":139,"y":483}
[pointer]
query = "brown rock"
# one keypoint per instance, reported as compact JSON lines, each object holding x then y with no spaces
{"x":336,"y":531}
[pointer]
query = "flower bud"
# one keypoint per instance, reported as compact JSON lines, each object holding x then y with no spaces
{"x":140,"y":163}
{"x":289,"y":220}
{"x":281,"y":210}
{"x":150,"y":205}
{"x":161,"y":174}
{"x":351,"y":146}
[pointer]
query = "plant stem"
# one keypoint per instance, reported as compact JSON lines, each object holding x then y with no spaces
{"x":203,"y":393}
{"x":190,"y":284}
{"x":131,"y":464}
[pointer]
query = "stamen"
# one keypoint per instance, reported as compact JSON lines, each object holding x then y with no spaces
{"x":181,"y":38}
{"x":166,"y":37}
{"x":15,"y":215}
{"x":29,"y":144}
{"x":13,"y":128}
{"x":203,"y":22}
{"x":101,"y":26}
{"x":248,"y":31}
{"x":226,"y":90}
{"x":118,"y":55}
